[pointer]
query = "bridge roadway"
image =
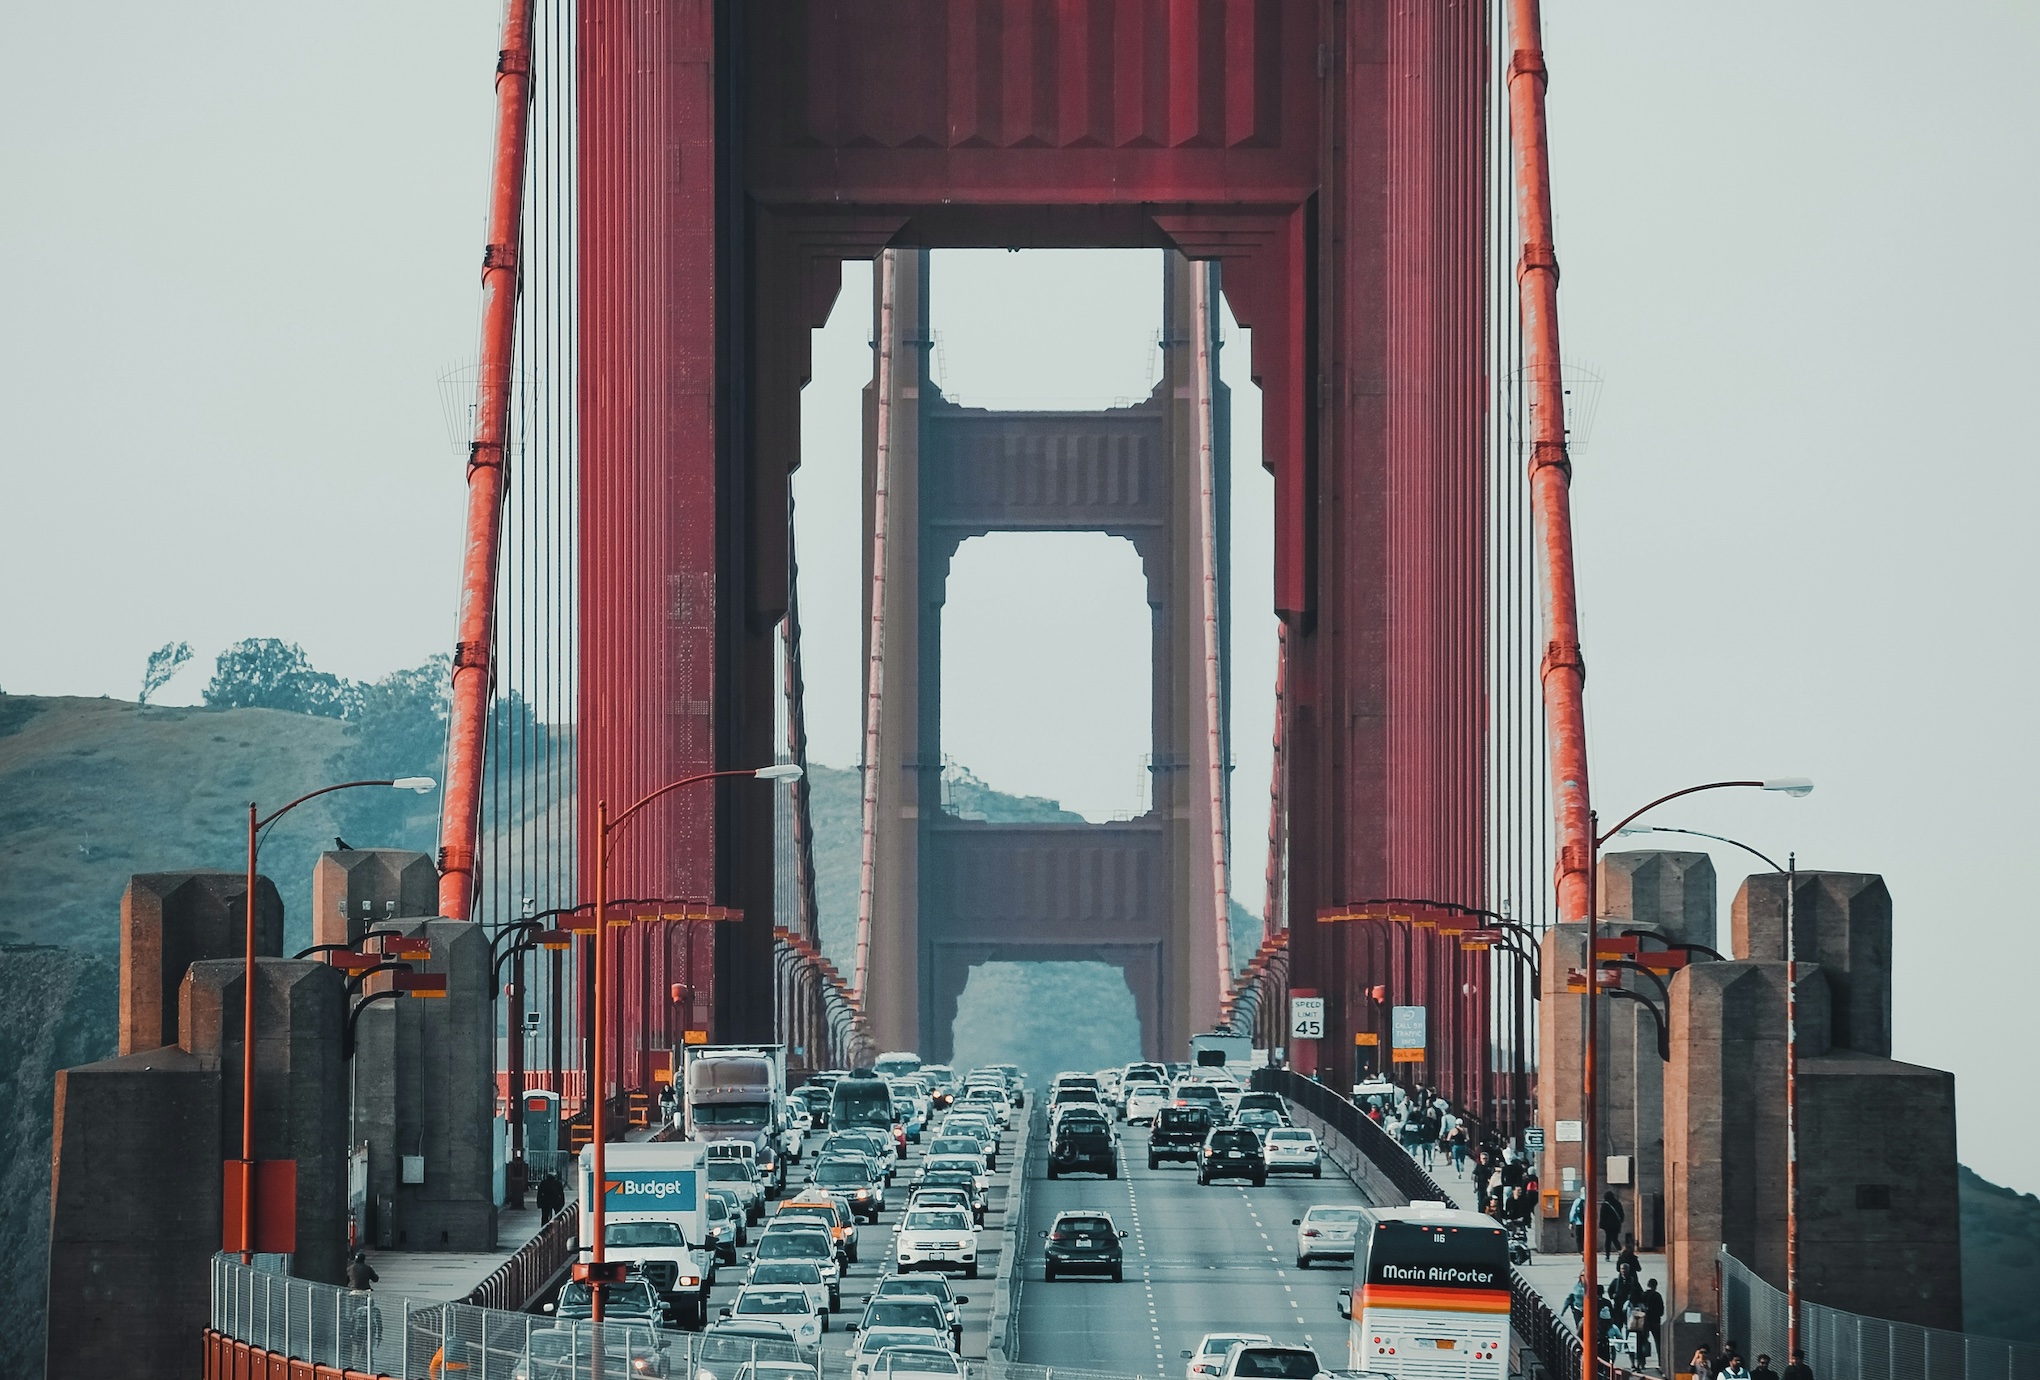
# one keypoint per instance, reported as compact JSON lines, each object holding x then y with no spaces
{"x":1198,"y":1259}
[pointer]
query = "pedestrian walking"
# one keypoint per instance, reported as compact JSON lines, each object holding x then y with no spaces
{"x":1652,"y":1305}
{"x":1736,"y":1370}
{"x":1576,"y":1218}
{"x":1459,"y":1139}
{"x":1763,"y":1370}
{"x":1701,"y":1365}
{"x":1576,"y":1301}
{"x":360,"y":1274}
{"x":1483,"y":1175}
{"x":1799,"y":1370}
{"x":1611,"y":1216}
{"x":1629,"y":1256}
{"x":552,"y":1196}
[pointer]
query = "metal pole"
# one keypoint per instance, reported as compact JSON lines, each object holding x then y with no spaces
{"x":1791,"y":1113}
{"x":1590,"y":1144}
{"x":598,"y":1123}
{"x":1562,"y":672}
{"x":248,"y":1061}
{"x":472,"y":650}
{"x":1207,"y":566}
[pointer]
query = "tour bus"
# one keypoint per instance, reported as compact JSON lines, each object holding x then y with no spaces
{"x":1430,"y":1285}
{"x":862,"y":1099}
{"x":897,"y":1064}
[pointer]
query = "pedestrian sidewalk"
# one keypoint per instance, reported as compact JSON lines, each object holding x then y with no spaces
{"x":1552,"y":1276}
{"x":451,"y":1275}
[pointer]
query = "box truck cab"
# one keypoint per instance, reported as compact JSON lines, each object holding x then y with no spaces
{"x":656,"y":1219}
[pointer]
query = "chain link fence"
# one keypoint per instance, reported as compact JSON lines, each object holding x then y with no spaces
{"x":1842,"y":1344}
{"x":424,"y":1339}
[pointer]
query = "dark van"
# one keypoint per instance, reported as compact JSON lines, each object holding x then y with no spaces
{"x":1178,"y":1134}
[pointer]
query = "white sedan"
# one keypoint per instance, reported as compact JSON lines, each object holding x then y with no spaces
{"x":791,"y":1306}
{"x":1328,"y":1231}
{"x":872,"y":1344}
{"x":1145,"y":1100}
{"x":1293,"y":1150}
{"x":936,"y":1239}
{"x":1207,"y":1358}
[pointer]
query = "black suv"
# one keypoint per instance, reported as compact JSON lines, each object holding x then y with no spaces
{"x":1083,"y":1241}
{"x":1083,"y":1145}
{"x":1178,"y":1134}
{"x":1232,"y":1152}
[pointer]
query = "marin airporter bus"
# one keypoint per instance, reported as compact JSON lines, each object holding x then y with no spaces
{"x":1430,"y":1295}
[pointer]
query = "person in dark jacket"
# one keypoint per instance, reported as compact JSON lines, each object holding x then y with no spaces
{"x":552,"y":1196}
{"x":360,"y":1274}
{"x":1799,"y":1370}
{"x":1611,"y":1216}
{"x":1763,"y":1370}
{"x":1652,"y":1305}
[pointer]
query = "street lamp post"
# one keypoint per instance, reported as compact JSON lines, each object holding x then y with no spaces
{"x":256,"y":824}
{"x":1791,"y":873}
{"x":598,"y":1071}
{"x":1590,"y":1312}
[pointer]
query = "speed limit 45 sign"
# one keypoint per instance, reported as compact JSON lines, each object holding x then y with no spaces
{"x":1306,"y":1018}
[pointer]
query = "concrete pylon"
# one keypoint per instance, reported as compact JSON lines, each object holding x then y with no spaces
{"x":353,"y":888}
{"x":171,"y":920}
{"x":423,"y":1088}
{"x":1672,"y":892}
{"x":1843,"y":920}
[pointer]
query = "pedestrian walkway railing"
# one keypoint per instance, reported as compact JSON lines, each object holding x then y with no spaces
{"x":1841,"y":1344}
{"x":532,"y":1266}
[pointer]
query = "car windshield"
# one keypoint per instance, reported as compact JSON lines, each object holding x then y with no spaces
{"x":794,"y":1245}
{"x":1276,"y":1363}
{"x":1085,"y":1224}
{"x":841,"y":1172}
{"x":920,"y":1360}
{"x":786,"y":1272}
{"x":644,"y":1234}
{"x":631,"y":1296}
{"x":1219,"y":1343}
{"x":1300,"y":1137}
{"x":880,"y":1340}
{"x":1184,"y":1118}
{"x":953,"y":1145}
{"x":1337,"y":1217}
{"x":953,"y":1163}
{"x":931,"y":1286}
{"x":773,"y":1301}
{"x":905,"y":1313}
{"x":936,"y":1220}
{"x":718,"y":1208}
{"x":730,"y":1172}
{"x":807,"y":1212}
{"x":1234,"y":1140}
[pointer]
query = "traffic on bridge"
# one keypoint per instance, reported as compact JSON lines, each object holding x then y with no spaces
{"x":635,"y":1038}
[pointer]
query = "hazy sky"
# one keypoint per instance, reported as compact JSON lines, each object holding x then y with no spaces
{"x":238,"y":247}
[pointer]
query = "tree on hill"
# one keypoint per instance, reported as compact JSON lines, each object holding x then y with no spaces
{"x":164,"y":663}
{"x":269,"y":673}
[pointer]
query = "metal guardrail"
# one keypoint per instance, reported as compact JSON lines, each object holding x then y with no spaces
{"x":1544,"y":1334}
{"x":1753,"y":1311}
{"x":532,"y":1266}
{"x":1002,"y":1328}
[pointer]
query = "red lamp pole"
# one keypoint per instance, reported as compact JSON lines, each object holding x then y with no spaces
{"x":246,"y":1245}
{"x":598,"y":1072}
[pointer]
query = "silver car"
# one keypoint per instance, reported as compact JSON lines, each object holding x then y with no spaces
{"x":1327,"y":1231}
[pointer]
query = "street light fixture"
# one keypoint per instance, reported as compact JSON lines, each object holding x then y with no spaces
{"x":597,"y":1273}
{"x":1791,"y":873}
{"x":1797,"y":787}
{"x":246,"y":1165}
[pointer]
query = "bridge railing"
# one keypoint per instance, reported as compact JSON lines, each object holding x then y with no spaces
{"x":1544,"y":1333}
{"x":1837,"y":1343}
{"x":532,"y":1266}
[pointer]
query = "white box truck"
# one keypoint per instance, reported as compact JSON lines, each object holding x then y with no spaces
{"x":1233,"y":1053}
{"x":656,"y":1219}
{"x":738,"y":1092}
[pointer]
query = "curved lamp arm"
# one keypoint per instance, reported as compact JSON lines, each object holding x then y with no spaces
{"x":1664,"y":1034}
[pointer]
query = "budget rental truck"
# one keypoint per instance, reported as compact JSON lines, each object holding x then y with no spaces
{"x":657,"y":1219}
{"x":738,"y":1092}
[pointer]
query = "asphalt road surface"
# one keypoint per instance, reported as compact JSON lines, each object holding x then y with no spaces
{"x":1197,"y":1260}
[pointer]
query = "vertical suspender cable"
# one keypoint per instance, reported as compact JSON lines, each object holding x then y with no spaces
{"x":1562,"y":672}
{"x":874,"y":680}
{"x":472,"y":653}
{"x":1207,"y":580}
{"x":1271,"y":906}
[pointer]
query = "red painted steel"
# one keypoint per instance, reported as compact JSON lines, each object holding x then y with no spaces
{"x":1562,"y":671}
{"x":473,"y":650}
